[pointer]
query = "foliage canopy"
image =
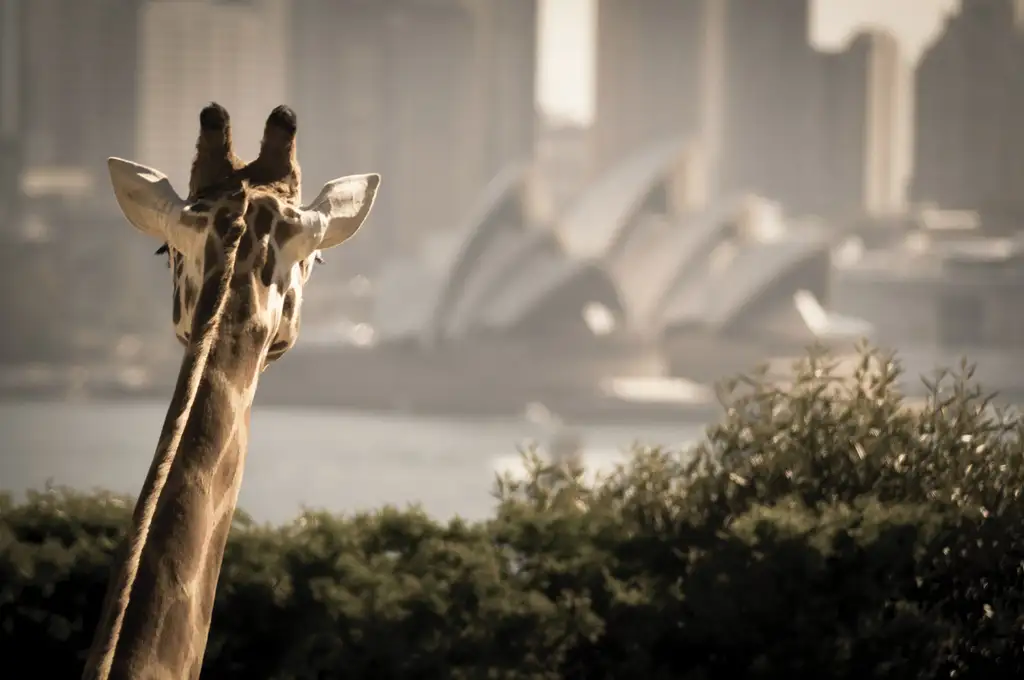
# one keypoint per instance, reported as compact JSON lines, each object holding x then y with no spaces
{"x":823,"y":529}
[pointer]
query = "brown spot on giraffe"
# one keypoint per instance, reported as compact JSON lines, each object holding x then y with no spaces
{"x":269,"y":268}
{"x":188,"y":295}
{"x":176,"y":306}
{"x":262,"y":221}
{"x":241,"y":249}
{"x":197,"y":222}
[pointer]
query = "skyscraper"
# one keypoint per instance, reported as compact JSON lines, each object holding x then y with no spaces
{"x":437,"y":96}
{"x":507,"y":41}
{"x":12,"y":113}
{"x":968,"y":150}
{"x":81,"y":60}
{"x":861,"y":115}
{"x":234,"y":53}
{"x":650,"y":78}
{"x":771,"y":136}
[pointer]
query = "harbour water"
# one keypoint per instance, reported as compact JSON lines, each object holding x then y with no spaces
{"x":320,"y":459}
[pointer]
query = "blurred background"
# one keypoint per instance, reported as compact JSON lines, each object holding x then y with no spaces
{"x":592,"y":211}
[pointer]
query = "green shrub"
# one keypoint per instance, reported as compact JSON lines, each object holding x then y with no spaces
{"x":823,"y":529}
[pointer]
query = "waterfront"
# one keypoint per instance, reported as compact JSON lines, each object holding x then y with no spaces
{"x":339,"y":461}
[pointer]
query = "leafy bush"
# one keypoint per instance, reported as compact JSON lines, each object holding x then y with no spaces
{"x":823,"y":529}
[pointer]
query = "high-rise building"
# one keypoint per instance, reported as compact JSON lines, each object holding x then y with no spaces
{"x":507,"y":42}
{"x":338,"y":84}
{"x":771,"y":137}
{"x":651,"y":78}
{"x":862,"y":118}
{"x":772,"y":116}
{"x":12,"y":113}
{"x":562,"y":164}
{"x":437,"y":96}
{"x":198,"y":51}
{"x":80,"y":59}
{"x":968,"y":151}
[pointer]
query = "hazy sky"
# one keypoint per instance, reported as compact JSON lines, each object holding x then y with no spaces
{"x":565,"y":86}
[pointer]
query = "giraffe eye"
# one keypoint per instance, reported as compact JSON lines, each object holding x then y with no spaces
{"x":318,"y":258}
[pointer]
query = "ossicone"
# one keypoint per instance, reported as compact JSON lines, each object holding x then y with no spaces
{"x":283,"y":118}
{"x":214,"y":118}
{"x":277,"y":162}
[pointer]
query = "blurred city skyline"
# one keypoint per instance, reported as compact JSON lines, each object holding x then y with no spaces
{"x":396,"y":85}
{"x":755,"y":176}
{"x":565,"y":79}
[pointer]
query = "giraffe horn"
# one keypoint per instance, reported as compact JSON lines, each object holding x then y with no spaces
{"x":215,"y":158}
{"x":281,"y":127}
{"x":277,"y":158}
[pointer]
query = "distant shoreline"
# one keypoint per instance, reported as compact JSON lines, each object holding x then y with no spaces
{"x":571,"y":412}
{"x":469,"y":383}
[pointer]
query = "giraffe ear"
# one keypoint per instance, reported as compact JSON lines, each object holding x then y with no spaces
{"x":342,"y":206}
{"x":146,"y":197}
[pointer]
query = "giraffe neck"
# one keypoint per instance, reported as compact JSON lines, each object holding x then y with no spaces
{"x":156,"y":617}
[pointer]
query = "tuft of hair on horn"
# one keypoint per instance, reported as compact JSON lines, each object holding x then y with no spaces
{"x":215,"y":159}
{"x":277,"y":164}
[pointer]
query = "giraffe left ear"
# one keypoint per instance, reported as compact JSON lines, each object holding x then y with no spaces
{"x":342,"y":206}
{"x":146,"y":197}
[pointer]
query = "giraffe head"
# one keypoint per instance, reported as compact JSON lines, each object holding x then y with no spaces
{"x":242,"y":226}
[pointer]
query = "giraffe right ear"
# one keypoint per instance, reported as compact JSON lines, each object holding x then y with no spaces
{"x":147,"y":199}
{"x":342,"y":206}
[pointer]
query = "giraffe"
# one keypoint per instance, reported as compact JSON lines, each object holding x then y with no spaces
{"x":241,"y":249}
